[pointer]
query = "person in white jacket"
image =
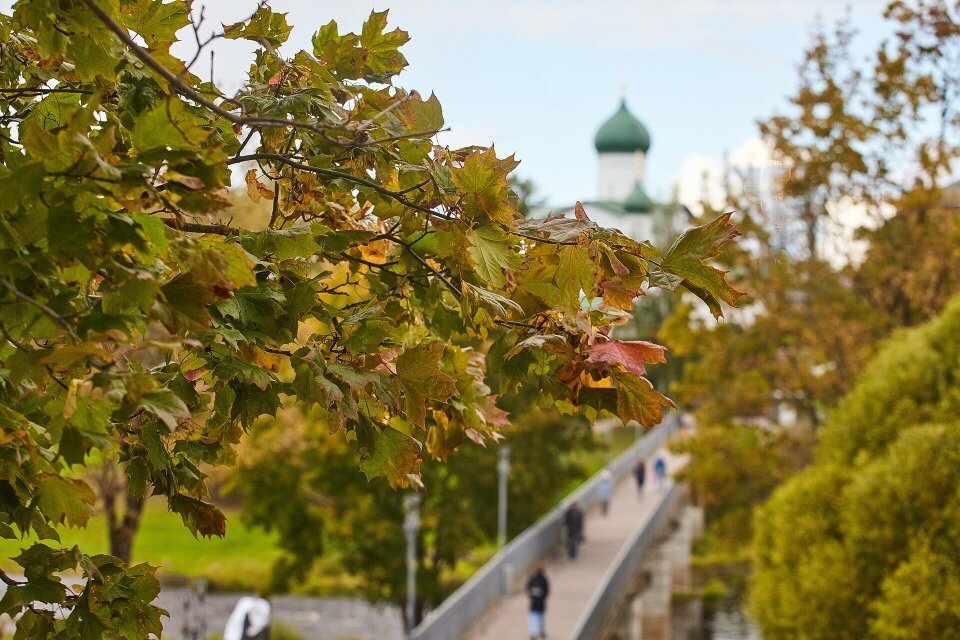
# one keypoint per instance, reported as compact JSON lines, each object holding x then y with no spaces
{"x":605,"y":491}
{"x":250,"y":620}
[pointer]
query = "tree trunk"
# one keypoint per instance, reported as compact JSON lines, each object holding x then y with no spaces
{"x":122,"y":510}
{"x":123,"y":532}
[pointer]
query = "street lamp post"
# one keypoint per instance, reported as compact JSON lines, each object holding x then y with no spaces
{"x":503,"y":473}
{"x":411,"y":527}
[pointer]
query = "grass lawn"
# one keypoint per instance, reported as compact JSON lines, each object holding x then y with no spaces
{"x":240,"y":560}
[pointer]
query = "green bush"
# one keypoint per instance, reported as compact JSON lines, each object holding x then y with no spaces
{"x":863,"y":543}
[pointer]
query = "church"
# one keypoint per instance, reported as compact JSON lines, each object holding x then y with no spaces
{"x":621,"y":201}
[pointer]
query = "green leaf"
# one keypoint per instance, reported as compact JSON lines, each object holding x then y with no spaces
{"x":395,"y":455}
{"x":576,"y":273}
{"x":154,"y":20}
{"x":266,"y":27}
{"x":420,"y":115}
{"x":53,"y":111}
{"x":168,"y":126}
{"x":62,"y":500}
{"x":420,"y":379}
{"x":492,"y":255}
{"x":686,"y":260}
{"x":383,"y":58}
{"x":483,"y":177}
{"x":490,"y":300}
{"x":166,"y":405}
{"x":153,"y":230}
{"x":638,"y":400}
{"x":201,"y":517}
{"x":295,"y":242}
{"x":23,"y":183}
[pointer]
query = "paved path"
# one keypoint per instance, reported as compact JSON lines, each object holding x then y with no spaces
{"x":573,"y":582}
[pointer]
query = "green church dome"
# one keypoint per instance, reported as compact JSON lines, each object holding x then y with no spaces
{"x":638,"y":201}
{"x":622,"y":133}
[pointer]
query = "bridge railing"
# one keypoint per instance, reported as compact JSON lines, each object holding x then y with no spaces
{"x":622,"y":573}
{"x":495,"y":579}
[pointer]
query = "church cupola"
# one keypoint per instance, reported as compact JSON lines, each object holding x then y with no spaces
{"x":622,"y":133}
{"x":622,"y":143}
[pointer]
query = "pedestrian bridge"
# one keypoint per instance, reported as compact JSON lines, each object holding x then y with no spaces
{"x":586,"y":592}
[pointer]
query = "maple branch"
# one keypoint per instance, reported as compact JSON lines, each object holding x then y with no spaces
{"x":47,"y":311}
{"x":188,"y":91}
{"x":10,"y":582}
{"x":368,"y":263}
{"x":197,"y":227}
{"x":396,"y":103}
{"x":456,"y":292}
{"x":336,"y":174}
{"x":544,"y":240}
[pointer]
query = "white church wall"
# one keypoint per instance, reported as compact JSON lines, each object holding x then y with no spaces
{"x":617,"y":173}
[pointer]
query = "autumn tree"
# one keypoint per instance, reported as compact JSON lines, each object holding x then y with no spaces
{"x":300,"y":481}
{"x":142,"y":324}
{"x":862,"y":543}
{"x":857,"y":143}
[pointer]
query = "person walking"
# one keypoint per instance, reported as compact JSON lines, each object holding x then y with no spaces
{"x":538,"y":588}
{"x":605,"y":490}
{"x":660,"y":470}
{"x":640,"y":475}
{"x":573,"y":524}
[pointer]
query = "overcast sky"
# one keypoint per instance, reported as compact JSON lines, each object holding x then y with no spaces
{"x":537,"y":77}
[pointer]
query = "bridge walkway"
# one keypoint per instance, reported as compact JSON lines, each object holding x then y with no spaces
{"x":573,"y":582}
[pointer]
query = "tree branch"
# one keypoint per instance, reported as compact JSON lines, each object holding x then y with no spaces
{"x":334,"y":173}
{"x":197,"y":227}
{"x":47,"y":311}
{"x":188,"y":91}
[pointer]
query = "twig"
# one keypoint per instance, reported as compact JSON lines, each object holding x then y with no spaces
{"x":456,"y":292}
{"x":47,"y":311}
{"x":10,"y":582}
{"x":187,"y":91}
{"x":334,"y":173}
{"x":197,"y":227}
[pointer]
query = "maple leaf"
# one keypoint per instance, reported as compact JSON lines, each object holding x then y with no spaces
{"x":491,"y":414}
{"x":686,"y":260}
{"x":421,"y":381}
{"x":63,"y":500}
{"x":200,"y":517}
{"x":632,"y":355}
{"x":492,"y":255}
{"x":580,"y":213}
{"x":638,"y":400}
{"x":395,"y":455}
{"x":616,"y":294}
{"x":483,"y":178}
{"x":558,"y":229}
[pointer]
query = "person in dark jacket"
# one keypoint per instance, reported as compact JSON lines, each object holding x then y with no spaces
{"x":538,"y":588}
{"x":640,"y":475}
{"x":573,"y":523}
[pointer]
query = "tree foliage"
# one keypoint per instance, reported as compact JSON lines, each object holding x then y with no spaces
{"x":300,"y":481}
{"x":863,"y":543}
{"x":856,"y":142}
{"x":141,"y":324}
